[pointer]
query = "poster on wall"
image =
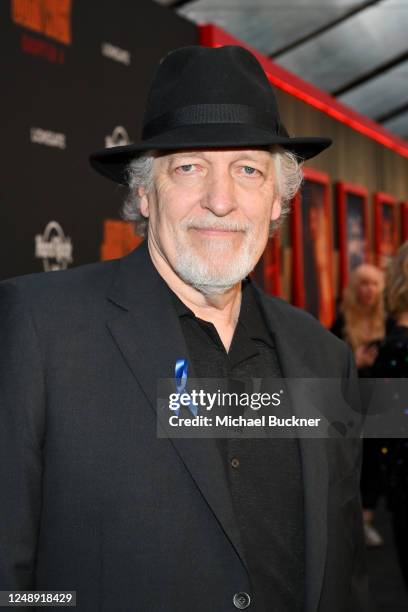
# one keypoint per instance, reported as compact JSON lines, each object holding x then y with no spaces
{"x":404,"y":220}
{"x":352,"y":215}
{"x":119,"y":239}
{"x":267,"y":272}
{"x":313,"y":247}
{"x":386,"y":228}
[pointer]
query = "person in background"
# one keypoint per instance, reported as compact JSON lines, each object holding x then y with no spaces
{"x":392,"y":362}
{"x":361,"y":320}
{"x":361,"y":323}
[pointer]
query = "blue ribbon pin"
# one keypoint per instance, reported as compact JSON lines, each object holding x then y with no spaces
{"x":180,"y":375}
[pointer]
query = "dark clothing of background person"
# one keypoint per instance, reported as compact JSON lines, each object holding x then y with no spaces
{"x":392,"y":362}
{"x":372,"y":475}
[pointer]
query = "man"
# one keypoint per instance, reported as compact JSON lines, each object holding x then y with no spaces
{"x":93,"y":500}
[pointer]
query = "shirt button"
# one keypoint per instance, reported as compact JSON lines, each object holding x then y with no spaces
{"x":235,"y":462}
{"x":241,"y":600}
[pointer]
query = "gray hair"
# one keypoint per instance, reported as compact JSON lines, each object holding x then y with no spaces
{"x":139,"y":173}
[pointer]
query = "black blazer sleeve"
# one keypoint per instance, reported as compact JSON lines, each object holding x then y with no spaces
{"x":22,"y":404}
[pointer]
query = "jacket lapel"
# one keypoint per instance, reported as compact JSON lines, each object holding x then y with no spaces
{"x":149,"y":336}
{"x":313,"y":451}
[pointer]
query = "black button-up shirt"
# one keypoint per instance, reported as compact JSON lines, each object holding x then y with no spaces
{"x":264,"y":475}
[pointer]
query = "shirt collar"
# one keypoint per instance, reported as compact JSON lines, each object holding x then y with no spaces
{"x":250,"y":315}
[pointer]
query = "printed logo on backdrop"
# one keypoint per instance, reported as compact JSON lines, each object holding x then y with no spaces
{"x":118,"y":138}
{"x":48,"y":18}
{"x":116,"y":53}
{"x":53,"y":247}
{"x":47,"y":138}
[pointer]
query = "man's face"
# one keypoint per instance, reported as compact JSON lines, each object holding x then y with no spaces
{"x":209,"y":213}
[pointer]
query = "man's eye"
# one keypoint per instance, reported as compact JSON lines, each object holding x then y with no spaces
{"x":186,"y":168}
{"x":250,"y":171}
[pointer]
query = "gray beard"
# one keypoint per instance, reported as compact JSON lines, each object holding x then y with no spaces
{"x":202,"y":271}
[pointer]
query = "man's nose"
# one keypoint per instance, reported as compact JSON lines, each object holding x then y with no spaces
{"x":220,"y":194}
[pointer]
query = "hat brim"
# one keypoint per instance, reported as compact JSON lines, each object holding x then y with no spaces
{"x":112,"y":162}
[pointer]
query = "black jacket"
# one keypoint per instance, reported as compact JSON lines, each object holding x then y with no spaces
{"x":93,"y":501}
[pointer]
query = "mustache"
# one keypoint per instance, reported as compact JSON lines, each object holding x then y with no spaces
{"x":219,"y":224}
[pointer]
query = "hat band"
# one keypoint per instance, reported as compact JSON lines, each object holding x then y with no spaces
{"x":202,"y":114}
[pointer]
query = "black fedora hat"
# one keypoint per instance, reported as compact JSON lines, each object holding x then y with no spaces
{"x":201,"y":98}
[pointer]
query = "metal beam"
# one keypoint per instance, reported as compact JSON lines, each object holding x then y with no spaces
{"x":172,"y":3}
{"x":179,"y":3}
{"x":399,"y":110}
{"x":323,"y":29}
{"x":372,"y":74}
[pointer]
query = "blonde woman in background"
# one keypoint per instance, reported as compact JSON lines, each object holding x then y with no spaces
{"x":361,"y":323}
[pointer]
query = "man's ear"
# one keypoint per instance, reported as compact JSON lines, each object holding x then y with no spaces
{"x":144,"y":202}
{"x":276,"y":209}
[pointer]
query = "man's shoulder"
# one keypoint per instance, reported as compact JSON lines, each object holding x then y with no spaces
{"x":42,"y":289}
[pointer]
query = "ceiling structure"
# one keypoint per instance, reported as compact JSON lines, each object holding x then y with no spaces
{"x":356,"y":50}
